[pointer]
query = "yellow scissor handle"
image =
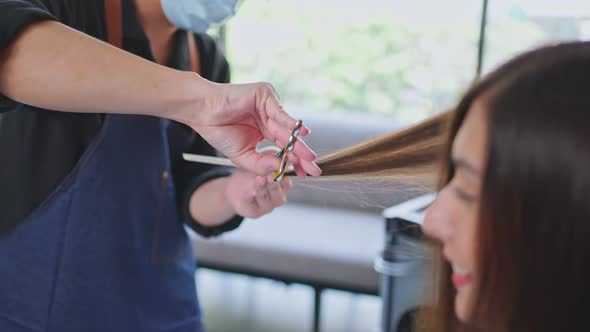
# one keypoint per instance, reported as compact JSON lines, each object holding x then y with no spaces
{"x":280,"y":173}
{"x":284,"y":153}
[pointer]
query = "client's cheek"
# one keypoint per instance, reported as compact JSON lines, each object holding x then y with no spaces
{"x":465,"y":303}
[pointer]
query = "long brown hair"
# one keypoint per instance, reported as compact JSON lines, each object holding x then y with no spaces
{"x":534,"y":228}
{"x":413,"y":152}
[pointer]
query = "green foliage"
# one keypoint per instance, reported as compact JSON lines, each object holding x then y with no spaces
{"x":365,"y":56}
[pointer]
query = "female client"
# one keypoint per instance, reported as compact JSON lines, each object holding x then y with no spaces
{"x":513,"y":213}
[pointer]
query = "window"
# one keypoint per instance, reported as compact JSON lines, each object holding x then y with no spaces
{"x":406,"y":59}
{"x":515,"y":26}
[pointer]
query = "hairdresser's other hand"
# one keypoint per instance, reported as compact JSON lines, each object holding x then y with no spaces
{"x":237,"y":117}
{"x":253,"y":196}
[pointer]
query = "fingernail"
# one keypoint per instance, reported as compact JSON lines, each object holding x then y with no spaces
{"x":319,"y":170}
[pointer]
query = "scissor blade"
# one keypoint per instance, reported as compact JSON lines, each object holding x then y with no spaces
{"x":197,"y":158}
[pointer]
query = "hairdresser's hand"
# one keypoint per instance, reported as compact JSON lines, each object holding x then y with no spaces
{"x":239,"y":116}
{"x":253,"y":196}
{"x":243,"y":193}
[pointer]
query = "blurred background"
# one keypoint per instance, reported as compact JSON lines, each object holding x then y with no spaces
{"x":406,"y":59}
{"x":351,"y":70}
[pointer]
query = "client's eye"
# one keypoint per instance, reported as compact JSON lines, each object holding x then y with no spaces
{"x":462,"y":186}
{"x":463,"y":195}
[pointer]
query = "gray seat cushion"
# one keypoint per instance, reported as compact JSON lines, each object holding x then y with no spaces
{"x":324,"y":246}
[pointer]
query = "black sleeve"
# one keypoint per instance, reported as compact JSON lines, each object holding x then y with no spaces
{"x":188,"y":176}
{"x":15,"y":16}
{"x":214,"y":65}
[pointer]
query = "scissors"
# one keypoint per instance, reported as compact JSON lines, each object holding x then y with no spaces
{"x":283,"y":155}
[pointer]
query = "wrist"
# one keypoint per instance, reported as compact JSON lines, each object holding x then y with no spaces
{"x":227,"y":194}
{"x":209,"y":204}
{"x":199,"y":99}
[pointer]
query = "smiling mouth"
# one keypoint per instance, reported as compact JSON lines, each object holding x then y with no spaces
{"x":460,"y":276}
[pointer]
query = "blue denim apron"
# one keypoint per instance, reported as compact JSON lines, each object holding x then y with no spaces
{"x":106,"y":250}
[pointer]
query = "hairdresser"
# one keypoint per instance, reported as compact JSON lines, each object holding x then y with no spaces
{"x":93,"y":193}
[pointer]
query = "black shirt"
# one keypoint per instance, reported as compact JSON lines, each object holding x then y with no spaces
{"x":38,"y":147}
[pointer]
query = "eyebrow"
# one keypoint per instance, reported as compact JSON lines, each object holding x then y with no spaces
{"x":463,"y":164}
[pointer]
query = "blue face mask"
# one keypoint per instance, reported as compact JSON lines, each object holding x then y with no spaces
{"x":199,"y":15}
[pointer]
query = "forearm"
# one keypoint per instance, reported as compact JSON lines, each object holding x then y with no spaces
{"x":54,"y":67}
{"x":209,"y":204}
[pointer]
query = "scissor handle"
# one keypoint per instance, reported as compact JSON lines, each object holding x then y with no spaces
{"x":284,"y":153}
{"x":280,"y":173}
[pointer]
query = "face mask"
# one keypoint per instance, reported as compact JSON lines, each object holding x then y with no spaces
{"x":199,"y":15}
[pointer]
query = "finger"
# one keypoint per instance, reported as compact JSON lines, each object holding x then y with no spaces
{"x":274,"y":91}
{"x":294,"y":161}
{"x":264,"y":201}
{"x":277,"y":196}
{"x":311,"y":168}
{"x":275,"y":111}
{"x":261,"y":182}
{"x":286,"y":185}
{"x":281,"y":137}
{"x":303,"y":167}
{"x":301,"y":150}
{"x":300,"y":172}
{"x":258,"y":163}
{"x":248,"y":206}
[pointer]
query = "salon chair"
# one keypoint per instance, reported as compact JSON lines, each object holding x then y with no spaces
{"x":403,"y":264}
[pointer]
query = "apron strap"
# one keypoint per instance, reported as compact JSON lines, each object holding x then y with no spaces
{"x":114,"y":20}
{"x":194,"y":53}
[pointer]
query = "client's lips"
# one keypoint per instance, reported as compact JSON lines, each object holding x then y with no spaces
{"x":460,"y":280}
